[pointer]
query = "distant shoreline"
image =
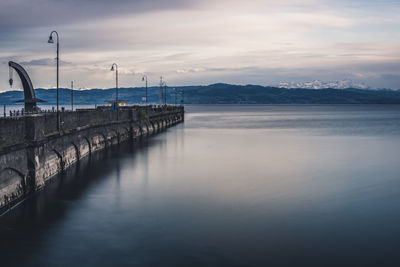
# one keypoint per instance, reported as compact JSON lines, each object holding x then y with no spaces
{"x":217,"y":94}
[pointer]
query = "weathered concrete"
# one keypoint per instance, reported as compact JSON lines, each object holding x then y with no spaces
{"x":32,"y":150}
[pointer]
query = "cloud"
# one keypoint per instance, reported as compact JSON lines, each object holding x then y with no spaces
{"x":17,"y":13}
{"x":43,"y":62}
{"x":259,"y":41}
{"x":191,"y":70}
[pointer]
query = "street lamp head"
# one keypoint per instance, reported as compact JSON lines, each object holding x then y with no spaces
{"x":143,"y":78}
{"x":112,"y":68}
{"x":50,"y":41}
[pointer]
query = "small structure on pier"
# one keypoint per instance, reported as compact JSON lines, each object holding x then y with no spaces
{"x":114,"y":104}
{"x":30,"y":99}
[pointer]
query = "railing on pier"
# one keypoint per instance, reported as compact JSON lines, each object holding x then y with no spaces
{"x":15,"y":113}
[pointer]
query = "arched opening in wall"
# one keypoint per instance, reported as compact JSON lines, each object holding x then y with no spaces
{"x":89,"y":144}
{"x":99,"y":141}
{"x":104,"y":139}
{"x":113,"y":136}
{"x":152,"y":126}
{"x":61,"y":164}
{"x":141,"y":131}
{"x":125,"y":133}
{"x":52,"y":164}
{"x":12,"y":184}
{"x":159,"y":123}
{"x":77,"y":152}
{"x":30,"y":182}
{"x":155,"y":126}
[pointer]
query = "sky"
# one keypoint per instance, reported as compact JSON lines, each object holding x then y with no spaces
{"x":200,"y":42}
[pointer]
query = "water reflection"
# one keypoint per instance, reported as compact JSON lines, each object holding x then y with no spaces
{"x":223,"y":189}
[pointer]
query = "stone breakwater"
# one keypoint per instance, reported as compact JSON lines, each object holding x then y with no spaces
{"x":32,"y":150}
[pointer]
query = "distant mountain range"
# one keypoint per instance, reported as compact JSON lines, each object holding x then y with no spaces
{"x":317,"y":84}
{"x":220,"y":94}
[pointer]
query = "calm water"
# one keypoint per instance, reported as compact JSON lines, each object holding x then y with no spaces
{"x":232,"y":186}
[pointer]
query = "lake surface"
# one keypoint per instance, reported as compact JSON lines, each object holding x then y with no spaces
{"x":231,"y":186}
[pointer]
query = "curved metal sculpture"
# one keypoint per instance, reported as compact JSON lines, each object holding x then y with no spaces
{"x":30,"y":99}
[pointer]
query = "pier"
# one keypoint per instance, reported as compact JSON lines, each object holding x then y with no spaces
{"x":33,"y":149}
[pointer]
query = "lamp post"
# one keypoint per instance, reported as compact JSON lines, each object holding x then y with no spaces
{"x":161,"y":91}
{"x":175,"y":94}
{"x":72,"y":95}
{"x":165,"y":93}
{"x":51,"y":41}
{"x":144,"y":78}
{"x":116,"y":83}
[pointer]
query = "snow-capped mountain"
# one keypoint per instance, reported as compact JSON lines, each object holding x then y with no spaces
{"x":317,"y":84}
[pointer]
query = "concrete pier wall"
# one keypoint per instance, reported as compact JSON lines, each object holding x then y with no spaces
{"x":32,"y":150}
